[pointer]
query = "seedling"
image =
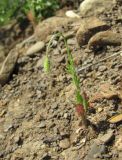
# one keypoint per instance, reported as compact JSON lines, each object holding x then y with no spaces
{"x":81,"y":102}
{"x":47,"y":66}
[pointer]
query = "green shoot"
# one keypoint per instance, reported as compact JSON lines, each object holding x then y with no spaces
{"x":81,"y":100}
{"x":46,"y":64}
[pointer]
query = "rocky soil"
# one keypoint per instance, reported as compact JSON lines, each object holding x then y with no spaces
{"x":38,"y":120}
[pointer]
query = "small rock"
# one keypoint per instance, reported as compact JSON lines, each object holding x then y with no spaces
{"x":71,"y":42}
{"x":102,"y":68}
{"x":39,"y":46}
{"x":61,"y":59}
{"x":42,"y":124}
{"x":23,"y":60}
{"x":40,"y":63}
{"x":70,"y":154}
{"x":54,"y":43}
{"x":96,"y":151}
{"x":7,"y":127}
{"x":54,"y":106}
{"x":88,"y":28}
{"x":100,"y":109}
{"x":107,"y":137}
{"x":72,"y":14}
{"x":46,"y":156}
{"x":64,"y":144}
{"x":104,"y":38}
{"x":65,"y":115}
{"x":94,"y":7}
{"x":8,"y":66}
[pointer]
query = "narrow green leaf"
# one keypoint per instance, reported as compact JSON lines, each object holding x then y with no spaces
{"x":79,"y":98}
{"x":46,"y":64}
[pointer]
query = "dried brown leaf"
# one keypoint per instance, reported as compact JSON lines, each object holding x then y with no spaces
{"x":115,"y":119}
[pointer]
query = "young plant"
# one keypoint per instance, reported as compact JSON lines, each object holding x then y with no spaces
{"x":81,"y":102}
{"x":47,"y":66}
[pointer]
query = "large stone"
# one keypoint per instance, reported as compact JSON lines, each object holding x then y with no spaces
{"x":50,"y":25}
{"x":104,"y":38}
{"x":88,"y":28}
{"x":8,"y":66}
{"x":94,"y":7}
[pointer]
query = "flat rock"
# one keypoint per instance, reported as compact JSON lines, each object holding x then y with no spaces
{"x":94,"y":7}
{"x":39,"y":46}
{"x":95,"y":151}
{"x":88,"y":28}
{"x":106,"y":91}
{"x":8,"y":66}
{"x":50,"y":25}
{"x":69,"y":154}
{"x":106,"y":138}
{"x":104,"y":38}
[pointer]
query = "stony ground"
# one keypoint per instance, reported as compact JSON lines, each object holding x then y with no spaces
{"x":37,"y":113}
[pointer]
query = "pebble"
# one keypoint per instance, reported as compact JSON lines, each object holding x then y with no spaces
{"x":72,"y":14}
{"x":42,"y":125}
{"x":7,"y":127}
{"x":71,"y":42}
{"x":39,"y":63}
{"x":64,"y":144}
{"x":100,"y":109}
{"x":23,"y":60}
{"x":65,"y":115}
{"x":2,"y":137}
{"x":46,"y":156}
{"x":102,"y":68}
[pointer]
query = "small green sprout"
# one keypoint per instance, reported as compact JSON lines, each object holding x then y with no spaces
{"x":46,"y":64}
{"x":81,"y":100}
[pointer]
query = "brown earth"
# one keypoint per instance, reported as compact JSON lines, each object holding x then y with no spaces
{"x":37,"y":113}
